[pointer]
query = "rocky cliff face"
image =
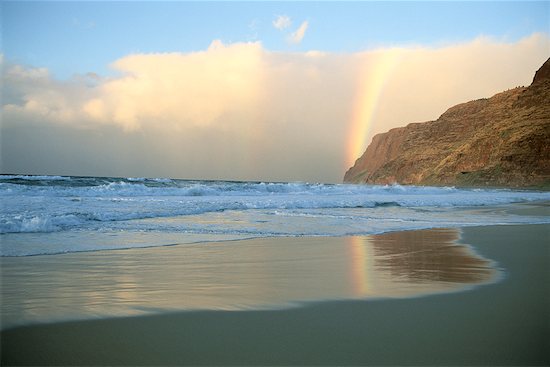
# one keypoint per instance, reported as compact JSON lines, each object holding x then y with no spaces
{"x":500,"y":141}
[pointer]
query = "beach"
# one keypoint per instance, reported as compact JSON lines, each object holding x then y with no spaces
{"x":359,"y":183}
{"x":493,"y":317}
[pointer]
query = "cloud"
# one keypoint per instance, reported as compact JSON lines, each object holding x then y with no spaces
{"x":181,"y":89}
{"x":297,"y":36}
{"x":31,"y":93}
{"x":282,"y":22}
{"x":77,"y":23}
{"x":427,"y":80}
{"x":253,"y":27}
{"x":168,"y":90}
{"x":239,"y":111}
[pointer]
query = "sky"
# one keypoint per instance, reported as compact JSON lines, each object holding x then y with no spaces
{"x":268,"y":91}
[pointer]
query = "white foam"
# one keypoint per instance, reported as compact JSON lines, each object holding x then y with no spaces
{"x":38,"y":223}
{"x":245,"y":208}
{"x":144,"y":179}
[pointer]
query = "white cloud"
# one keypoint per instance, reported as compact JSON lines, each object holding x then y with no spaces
{"x":282,"y":22}
{"x":77,"y":23}
{"x":297,"y":36}
{"x":239,"y":111}
{"x":31,"y":93}
{"x":178,"y":89}
{"x":253,"y":27}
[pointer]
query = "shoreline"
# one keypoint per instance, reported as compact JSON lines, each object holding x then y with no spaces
{"x":505,"y":323}
{"x":299,"y":270}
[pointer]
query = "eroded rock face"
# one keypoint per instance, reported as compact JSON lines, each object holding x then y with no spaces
{"x":500,"y":141}
{"x":543,"y":73}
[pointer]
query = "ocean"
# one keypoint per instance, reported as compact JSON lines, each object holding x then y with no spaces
{"x":43,"y":215}
{"x":80,"y":248}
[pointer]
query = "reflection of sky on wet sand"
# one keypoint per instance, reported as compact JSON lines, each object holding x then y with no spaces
{"x":251,"y":274}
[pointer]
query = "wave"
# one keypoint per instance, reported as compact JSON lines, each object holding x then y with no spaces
{"x":138,"y":184}
{"x":59,"y":203}
{"x":35,"y":178}
{"x":59,"y":186}
{"x":386,"y":204}
{"x":135,"y":210}
{"x":143,"y":179}
{"x":92,"y":241}
{"x":38,"y":223}
{"x":71,"y":214}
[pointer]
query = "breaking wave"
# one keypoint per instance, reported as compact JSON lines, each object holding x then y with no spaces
{"x":125,"y":207}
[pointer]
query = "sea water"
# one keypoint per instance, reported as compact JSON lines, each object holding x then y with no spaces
{"x":297,"y":242}
{"x":60,"y":214}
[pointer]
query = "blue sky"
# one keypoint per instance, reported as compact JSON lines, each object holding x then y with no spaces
{"x":80,"y":37}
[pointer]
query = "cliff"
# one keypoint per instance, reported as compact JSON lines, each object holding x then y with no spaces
{"x":500,"y":141}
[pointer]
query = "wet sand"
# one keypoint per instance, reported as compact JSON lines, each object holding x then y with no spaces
{"x":255,"y":274}
{"x":502,"y":323}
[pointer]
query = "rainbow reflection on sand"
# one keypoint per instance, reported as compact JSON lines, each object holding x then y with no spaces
{"x":265,"y":273}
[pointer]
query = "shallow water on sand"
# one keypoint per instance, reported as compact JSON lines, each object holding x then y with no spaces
{"x":265,"y":273}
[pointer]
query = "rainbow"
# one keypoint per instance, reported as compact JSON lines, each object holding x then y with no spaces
{"x":359,"y":266}
{"x":374,"y":71}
